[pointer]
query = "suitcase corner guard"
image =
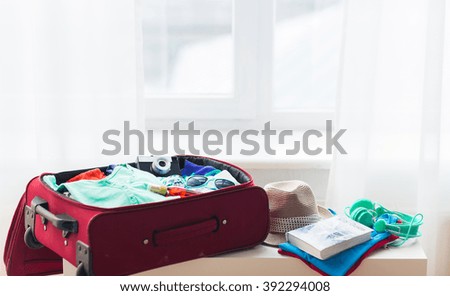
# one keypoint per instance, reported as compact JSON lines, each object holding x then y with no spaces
{"x":83,"y":257}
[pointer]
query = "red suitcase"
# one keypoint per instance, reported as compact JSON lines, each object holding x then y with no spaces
{"x":47,"y":226}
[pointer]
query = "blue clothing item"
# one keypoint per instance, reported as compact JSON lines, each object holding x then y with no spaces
{"x":191,"y":168}
{"x":340,"y":263}
{"x":110,"y":169}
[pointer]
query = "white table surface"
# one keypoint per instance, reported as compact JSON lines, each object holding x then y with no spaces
{"x":263,"y":260}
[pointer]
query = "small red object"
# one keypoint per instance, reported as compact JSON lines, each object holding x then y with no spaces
{"x":179,"y":191}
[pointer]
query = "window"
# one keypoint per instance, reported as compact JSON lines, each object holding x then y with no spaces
{"x":188,"y":47}
{"x":248,"y":59}
{"x":307,"y":47}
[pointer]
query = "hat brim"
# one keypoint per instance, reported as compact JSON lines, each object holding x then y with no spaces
{"x":324,"y":212}
{"x":275,"y":239}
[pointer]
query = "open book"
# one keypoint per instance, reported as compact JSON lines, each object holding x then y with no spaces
{"x":329,"y":237}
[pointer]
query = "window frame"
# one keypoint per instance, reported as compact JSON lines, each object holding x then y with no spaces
{"x":253,"y":28}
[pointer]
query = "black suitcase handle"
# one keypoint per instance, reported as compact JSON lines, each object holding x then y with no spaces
{"x":39,"y":206}
{"x":62,"y":221}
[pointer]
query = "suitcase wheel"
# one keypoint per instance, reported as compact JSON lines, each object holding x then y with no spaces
{"x":80,"y":270}
{"x":30,"y":240}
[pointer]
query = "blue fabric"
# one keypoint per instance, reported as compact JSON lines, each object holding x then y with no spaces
{"x":340,"y":263}
{"x":195,"y":169}
{"x":110,"y":169}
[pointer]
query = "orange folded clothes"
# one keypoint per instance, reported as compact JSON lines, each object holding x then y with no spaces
{"x":95,"y":174}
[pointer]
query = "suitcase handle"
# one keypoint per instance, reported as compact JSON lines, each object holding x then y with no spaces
{"x":174,"y":235}
{"x":61,"y":221}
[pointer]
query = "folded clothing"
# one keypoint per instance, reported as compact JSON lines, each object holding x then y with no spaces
{"x":191,"y":168}
{"x":123,"y":187}
{"x":343,"y":263}
{"x":173,"y":180}
{"x":95,"y":174}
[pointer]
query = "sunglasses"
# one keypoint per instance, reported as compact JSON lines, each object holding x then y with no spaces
{"x":196,"y":181}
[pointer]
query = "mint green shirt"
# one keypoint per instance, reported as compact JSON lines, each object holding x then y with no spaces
{"x":123,"y":187}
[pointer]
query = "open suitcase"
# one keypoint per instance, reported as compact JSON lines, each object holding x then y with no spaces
{"x":47,"y":226}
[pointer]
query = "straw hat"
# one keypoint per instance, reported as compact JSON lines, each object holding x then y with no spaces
{"x":292,"y":205}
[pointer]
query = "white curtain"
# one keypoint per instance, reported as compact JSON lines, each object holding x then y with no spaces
{"x":394,"y":101}
{"x":69,"y":71}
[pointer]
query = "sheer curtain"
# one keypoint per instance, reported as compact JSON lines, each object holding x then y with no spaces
{"x":68,"y":72}
{"x":394,"y":101}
